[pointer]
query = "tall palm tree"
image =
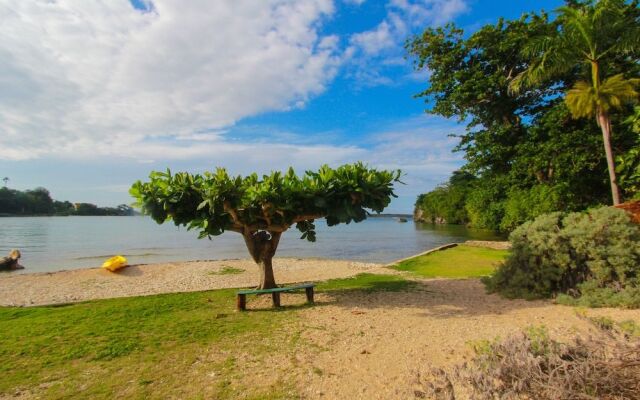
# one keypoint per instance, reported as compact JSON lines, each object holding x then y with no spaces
{"x":5,"y":180}
{"x":589,"y":36}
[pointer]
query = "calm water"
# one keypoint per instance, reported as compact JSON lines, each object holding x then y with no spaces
{"x":55,"y":243}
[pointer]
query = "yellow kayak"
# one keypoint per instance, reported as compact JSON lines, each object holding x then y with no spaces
{"x":115,"y":263}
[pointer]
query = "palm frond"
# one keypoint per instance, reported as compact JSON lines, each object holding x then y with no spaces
{"x":629,"y":41}
{"x":551,"y":57}
{"x":585,"y":100}
{"x":581,"y":100}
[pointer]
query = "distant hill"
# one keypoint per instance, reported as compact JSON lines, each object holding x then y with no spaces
{"x":38,"y":202}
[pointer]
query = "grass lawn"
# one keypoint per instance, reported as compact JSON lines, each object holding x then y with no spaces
{"x":458,"y":262}
{"x":184,"y":345}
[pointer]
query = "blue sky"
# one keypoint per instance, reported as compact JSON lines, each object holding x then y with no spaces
{"x":94,"y":95}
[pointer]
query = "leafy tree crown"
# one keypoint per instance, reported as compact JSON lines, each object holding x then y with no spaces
{"x":214,"y":202}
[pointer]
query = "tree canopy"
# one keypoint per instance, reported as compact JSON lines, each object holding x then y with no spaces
{"x":261,"y":208}
{"x":525,"y":149}
{"x":589,"y":36}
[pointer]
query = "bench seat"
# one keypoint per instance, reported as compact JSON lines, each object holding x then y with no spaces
{"x":275,"y":294}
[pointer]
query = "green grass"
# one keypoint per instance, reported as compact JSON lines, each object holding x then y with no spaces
{"x":457,"y":262}
{"x":59,"y":344}
{"x":182,"y":345}
{"x":367,"y":282}
{"x":226,"y":270}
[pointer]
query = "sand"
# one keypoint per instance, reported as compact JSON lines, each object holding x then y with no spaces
{"x":374,"y":345}
{"x":138,"y":280}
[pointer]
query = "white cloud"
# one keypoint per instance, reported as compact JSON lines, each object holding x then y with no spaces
{"x":373,"y":51}
{"x":374,"y":41}
{"x":432,"y":12}
{"x":422,"y":148}
{"x":83,"y":77}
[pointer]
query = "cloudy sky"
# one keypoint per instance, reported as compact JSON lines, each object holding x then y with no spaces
{"x":95,"y":94}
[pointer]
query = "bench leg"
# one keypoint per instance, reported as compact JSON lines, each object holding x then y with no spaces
{"x":241,"y":302}
{"x":276,"y":299}
{"x":309,"y":292}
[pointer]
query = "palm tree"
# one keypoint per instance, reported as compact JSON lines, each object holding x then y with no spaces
{"x":589,"y":36}
{"x":5,"y":180}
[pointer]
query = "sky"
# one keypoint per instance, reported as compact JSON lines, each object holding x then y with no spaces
{"x":96,"y":94}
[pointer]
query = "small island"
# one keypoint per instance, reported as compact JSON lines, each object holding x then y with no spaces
{"x":38,"y":202}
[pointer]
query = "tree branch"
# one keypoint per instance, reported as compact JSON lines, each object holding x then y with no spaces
{"x":307,"y":217}
{"x":229,"y":210}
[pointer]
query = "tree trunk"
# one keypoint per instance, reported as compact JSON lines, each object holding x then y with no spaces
{"x":605,"y":125}
{"x":262,"y":246}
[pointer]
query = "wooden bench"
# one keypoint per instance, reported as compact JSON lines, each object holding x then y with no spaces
{"x":275,"y":294}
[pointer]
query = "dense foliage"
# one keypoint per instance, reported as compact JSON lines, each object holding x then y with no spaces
{"x":524,"y":148}
{"x":262,"y":208}
{"x":39,"y":202}
{"x":446,"y":203}
{"x":572,"y":253}
{"x":216,"y":202}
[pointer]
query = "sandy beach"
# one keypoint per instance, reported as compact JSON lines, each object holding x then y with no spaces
{"x":139,"y":280}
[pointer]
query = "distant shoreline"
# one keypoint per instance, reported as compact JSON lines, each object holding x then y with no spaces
{"x":62,"y":215}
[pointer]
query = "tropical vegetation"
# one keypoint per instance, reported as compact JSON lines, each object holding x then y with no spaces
{"x":541,"y":97}
{"x":593,"y":257}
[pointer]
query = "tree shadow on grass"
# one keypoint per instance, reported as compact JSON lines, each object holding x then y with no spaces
{"x":437,"y":298}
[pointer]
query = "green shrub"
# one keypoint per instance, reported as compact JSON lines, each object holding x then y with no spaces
{"x":591,"y":295}
{"x":595,"y":252}
{"x":526,"y":204}
{"x":484,"y":207}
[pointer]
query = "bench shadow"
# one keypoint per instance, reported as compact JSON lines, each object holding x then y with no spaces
{"x":288,"y":302}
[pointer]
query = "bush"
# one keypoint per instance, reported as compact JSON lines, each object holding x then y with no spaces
{"x":531,"y":365}
{"x":591,"y":295}
{"x":526,"y":204}
{"x":485,"y":207}
{"x":558,"y":253}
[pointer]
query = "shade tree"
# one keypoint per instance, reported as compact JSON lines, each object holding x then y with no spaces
{"x":262,"y":208}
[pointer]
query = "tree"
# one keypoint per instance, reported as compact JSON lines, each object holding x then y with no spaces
{"x":515,"y":143}
{"x":469,"y":79}
{"x":5,"y":180}
{"x":38,"y":201}
{"x":590,"y":34}
{"x":262,"y":209}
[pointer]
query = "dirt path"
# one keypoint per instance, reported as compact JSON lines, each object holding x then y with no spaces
{"x":370,"y":346}
{"x":137,"y":280}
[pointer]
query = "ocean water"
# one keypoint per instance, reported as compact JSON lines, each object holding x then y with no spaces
{"x":57,"y":243}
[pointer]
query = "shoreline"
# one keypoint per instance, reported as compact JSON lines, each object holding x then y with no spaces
{"x":76,"y":285}
{"x":25,"y":289}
